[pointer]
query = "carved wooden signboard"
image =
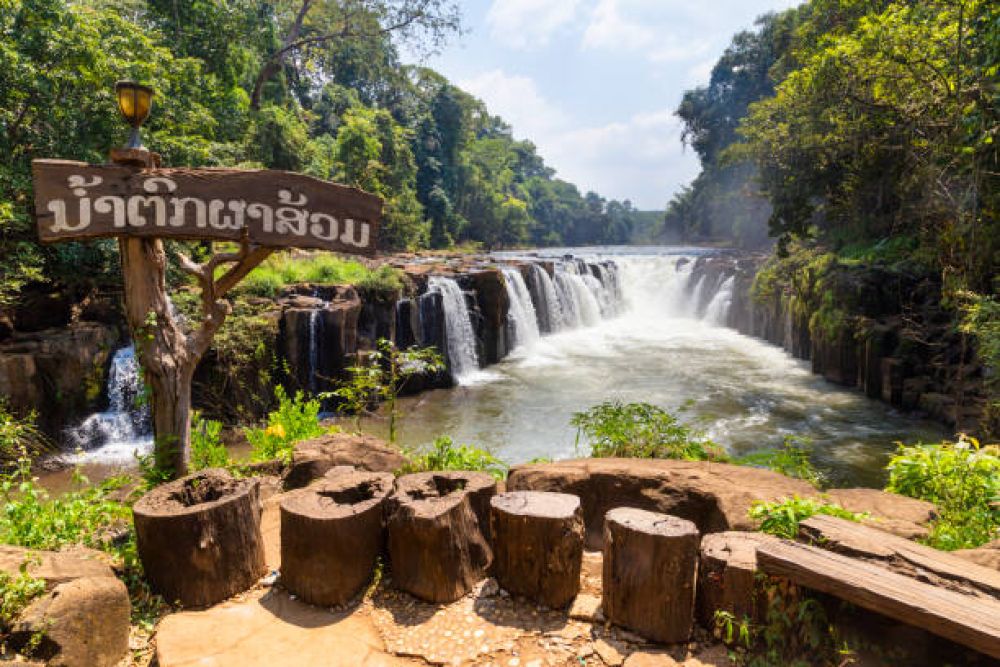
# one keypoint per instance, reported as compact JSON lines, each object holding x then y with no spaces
{"x":75,"y":200}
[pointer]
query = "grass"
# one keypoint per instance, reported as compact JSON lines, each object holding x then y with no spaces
{"x":280,"y":270}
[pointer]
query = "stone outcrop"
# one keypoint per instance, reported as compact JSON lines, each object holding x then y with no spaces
{"x":82,"y":619}
{"x":60,"y":373}
{"x":715,"y":496}
{"x":319,"y":334}
{"x":987,"y":555}
{"x":312,"y":458}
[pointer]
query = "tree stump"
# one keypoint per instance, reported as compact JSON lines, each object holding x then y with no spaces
{"x":538,"y":542}
{"x":727,"y":576}
{"x":650,"y":568}
{"x":332,"y":533}
{"x":199,"y":537}
{"x":436,"y":548}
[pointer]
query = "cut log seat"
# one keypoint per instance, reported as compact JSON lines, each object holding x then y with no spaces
{"x":966,"y":619}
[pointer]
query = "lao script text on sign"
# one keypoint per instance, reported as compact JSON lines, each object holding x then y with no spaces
{"x":75,"y":200}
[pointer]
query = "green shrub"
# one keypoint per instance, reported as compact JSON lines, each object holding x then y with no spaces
{"x":782,"y":518}
{"x":445,"y":455}
{"x":792,"y":459}
{"x":16,"y":593}
{"x":962,"y":479}
{"x":18,"y":435}
{"x":207,"y":450}
{"x":284,"y":269}
{"x":295,"y":419}
{"x":640,"y":430}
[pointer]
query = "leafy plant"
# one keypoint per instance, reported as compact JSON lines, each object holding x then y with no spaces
{"x":207,"y":450}
{"x":640,"y":430}
{"x":382,"y":378}
{"x":962,"y":479}
{"x":445,"y":455}
{"x":791,"y":459}
{"x":19,"y":435}
{"x":295,"y":419}
{"x":782,"y":517}
{"x":730,"y":630}
{"x":16,"y":593}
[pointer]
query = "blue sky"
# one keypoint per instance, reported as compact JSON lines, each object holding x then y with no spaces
{"x":594,"y":83}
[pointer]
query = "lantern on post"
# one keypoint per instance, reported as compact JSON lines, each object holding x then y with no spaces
{"x":135,"y":102}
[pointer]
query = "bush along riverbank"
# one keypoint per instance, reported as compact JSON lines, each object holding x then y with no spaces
{"x":80,"y":547}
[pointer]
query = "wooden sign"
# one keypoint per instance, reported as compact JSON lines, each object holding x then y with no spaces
{"x":75,"y":200}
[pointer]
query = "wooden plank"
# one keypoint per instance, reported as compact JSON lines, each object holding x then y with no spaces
{"x":75,"y":200}
{"x":966,"y":619}
{"x":901,"y":555}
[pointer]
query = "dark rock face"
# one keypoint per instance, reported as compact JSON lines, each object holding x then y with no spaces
{"x":60,"y":373}
{"x":319,"y":336}
{"x":492,"y":305}
{"x":864,"y":341}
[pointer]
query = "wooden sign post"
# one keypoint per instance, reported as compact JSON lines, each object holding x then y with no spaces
{"x":141,"y":204}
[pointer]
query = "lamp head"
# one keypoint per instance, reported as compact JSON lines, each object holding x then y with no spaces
{"x":135,"y":101}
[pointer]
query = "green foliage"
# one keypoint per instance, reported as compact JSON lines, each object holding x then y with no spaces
{"x":18,"y":435}
{"x":962,"y":479}
{"x":382,"y":378}
{"x":782,"y":517}
{"x":445,"y":455}
{"x":280,"y":270}
{"x":296,"y":419}
{"x":16,"y":593}
{"x":791,"y":459}
{"x":981,"y":319}
{"x":640,"y":430}
{"x":207,"y":450}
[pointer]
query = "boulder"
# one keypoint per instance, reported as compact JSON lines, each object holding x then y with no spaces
{"x":55,"y":567}
{"x":715,"y":496}
{"x":313,"y":458}
{"x":83,"y":622}
{"x":891,"y":512}
{"x":987,"y":555}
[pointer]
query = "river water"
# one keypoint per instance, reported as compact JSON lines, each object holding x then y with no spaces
{"x":667,"y":348}
{"x":645,"y":332}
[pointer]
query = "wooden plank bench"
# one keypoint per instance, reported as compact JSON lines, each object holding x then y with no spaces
{"x":966,"y":619}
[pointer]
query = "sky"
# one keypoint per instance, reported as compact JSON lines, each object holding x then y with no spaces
{"x":594,"y":83}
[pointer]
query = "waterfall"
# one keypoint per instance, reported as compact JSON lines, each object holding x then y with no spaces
{"x":521,"y":316}
{"x":694,"y":304}
{"x":313,"y":349}
{"x":459,"y":337}
{"x":580,"y":298}
{"x":125,"y":426}
{"x":718,"y":307}
{"x":553,"y":320}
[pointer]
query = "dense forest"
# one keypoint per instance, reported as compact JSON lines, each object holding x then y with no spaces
{"x":862,"y":137}
{"x":314,"y":86}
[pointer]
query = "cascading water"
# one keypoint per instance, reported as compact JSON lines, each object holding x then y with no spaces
{"x":555,"y":320}
{"x":521,"y":317}
{"x":459,"y":336}
{"x":313,"y":349}
{"x":125,"y":426}
{"x":718,"y":308}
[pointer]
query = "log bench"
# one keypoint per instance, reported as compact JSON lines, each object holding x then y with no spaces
{"x":332,"y":533}
{"x":436,"y":548}
{"x":538,"y":542}
{"x":650,"y":572}
{"x":967,"y":619}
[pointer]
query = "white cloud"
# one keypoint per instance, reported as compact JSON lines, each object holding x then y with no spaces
{"x":525,"y":24}
{"x":639,"y":158}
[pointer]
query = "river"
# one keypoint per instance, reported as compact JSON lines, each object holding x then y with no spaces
{"x":660,"y":342}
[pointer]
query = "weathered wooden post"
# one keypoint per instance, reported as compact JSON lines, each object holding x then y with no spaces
{"x":538,"y":542}
{"x":140,"y":203}
{"x":727,"y":576}
{"x":199,"y":537}
{"x":436,"y":548}
{"x":650,"y":569}
{"x":332,"y":534}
